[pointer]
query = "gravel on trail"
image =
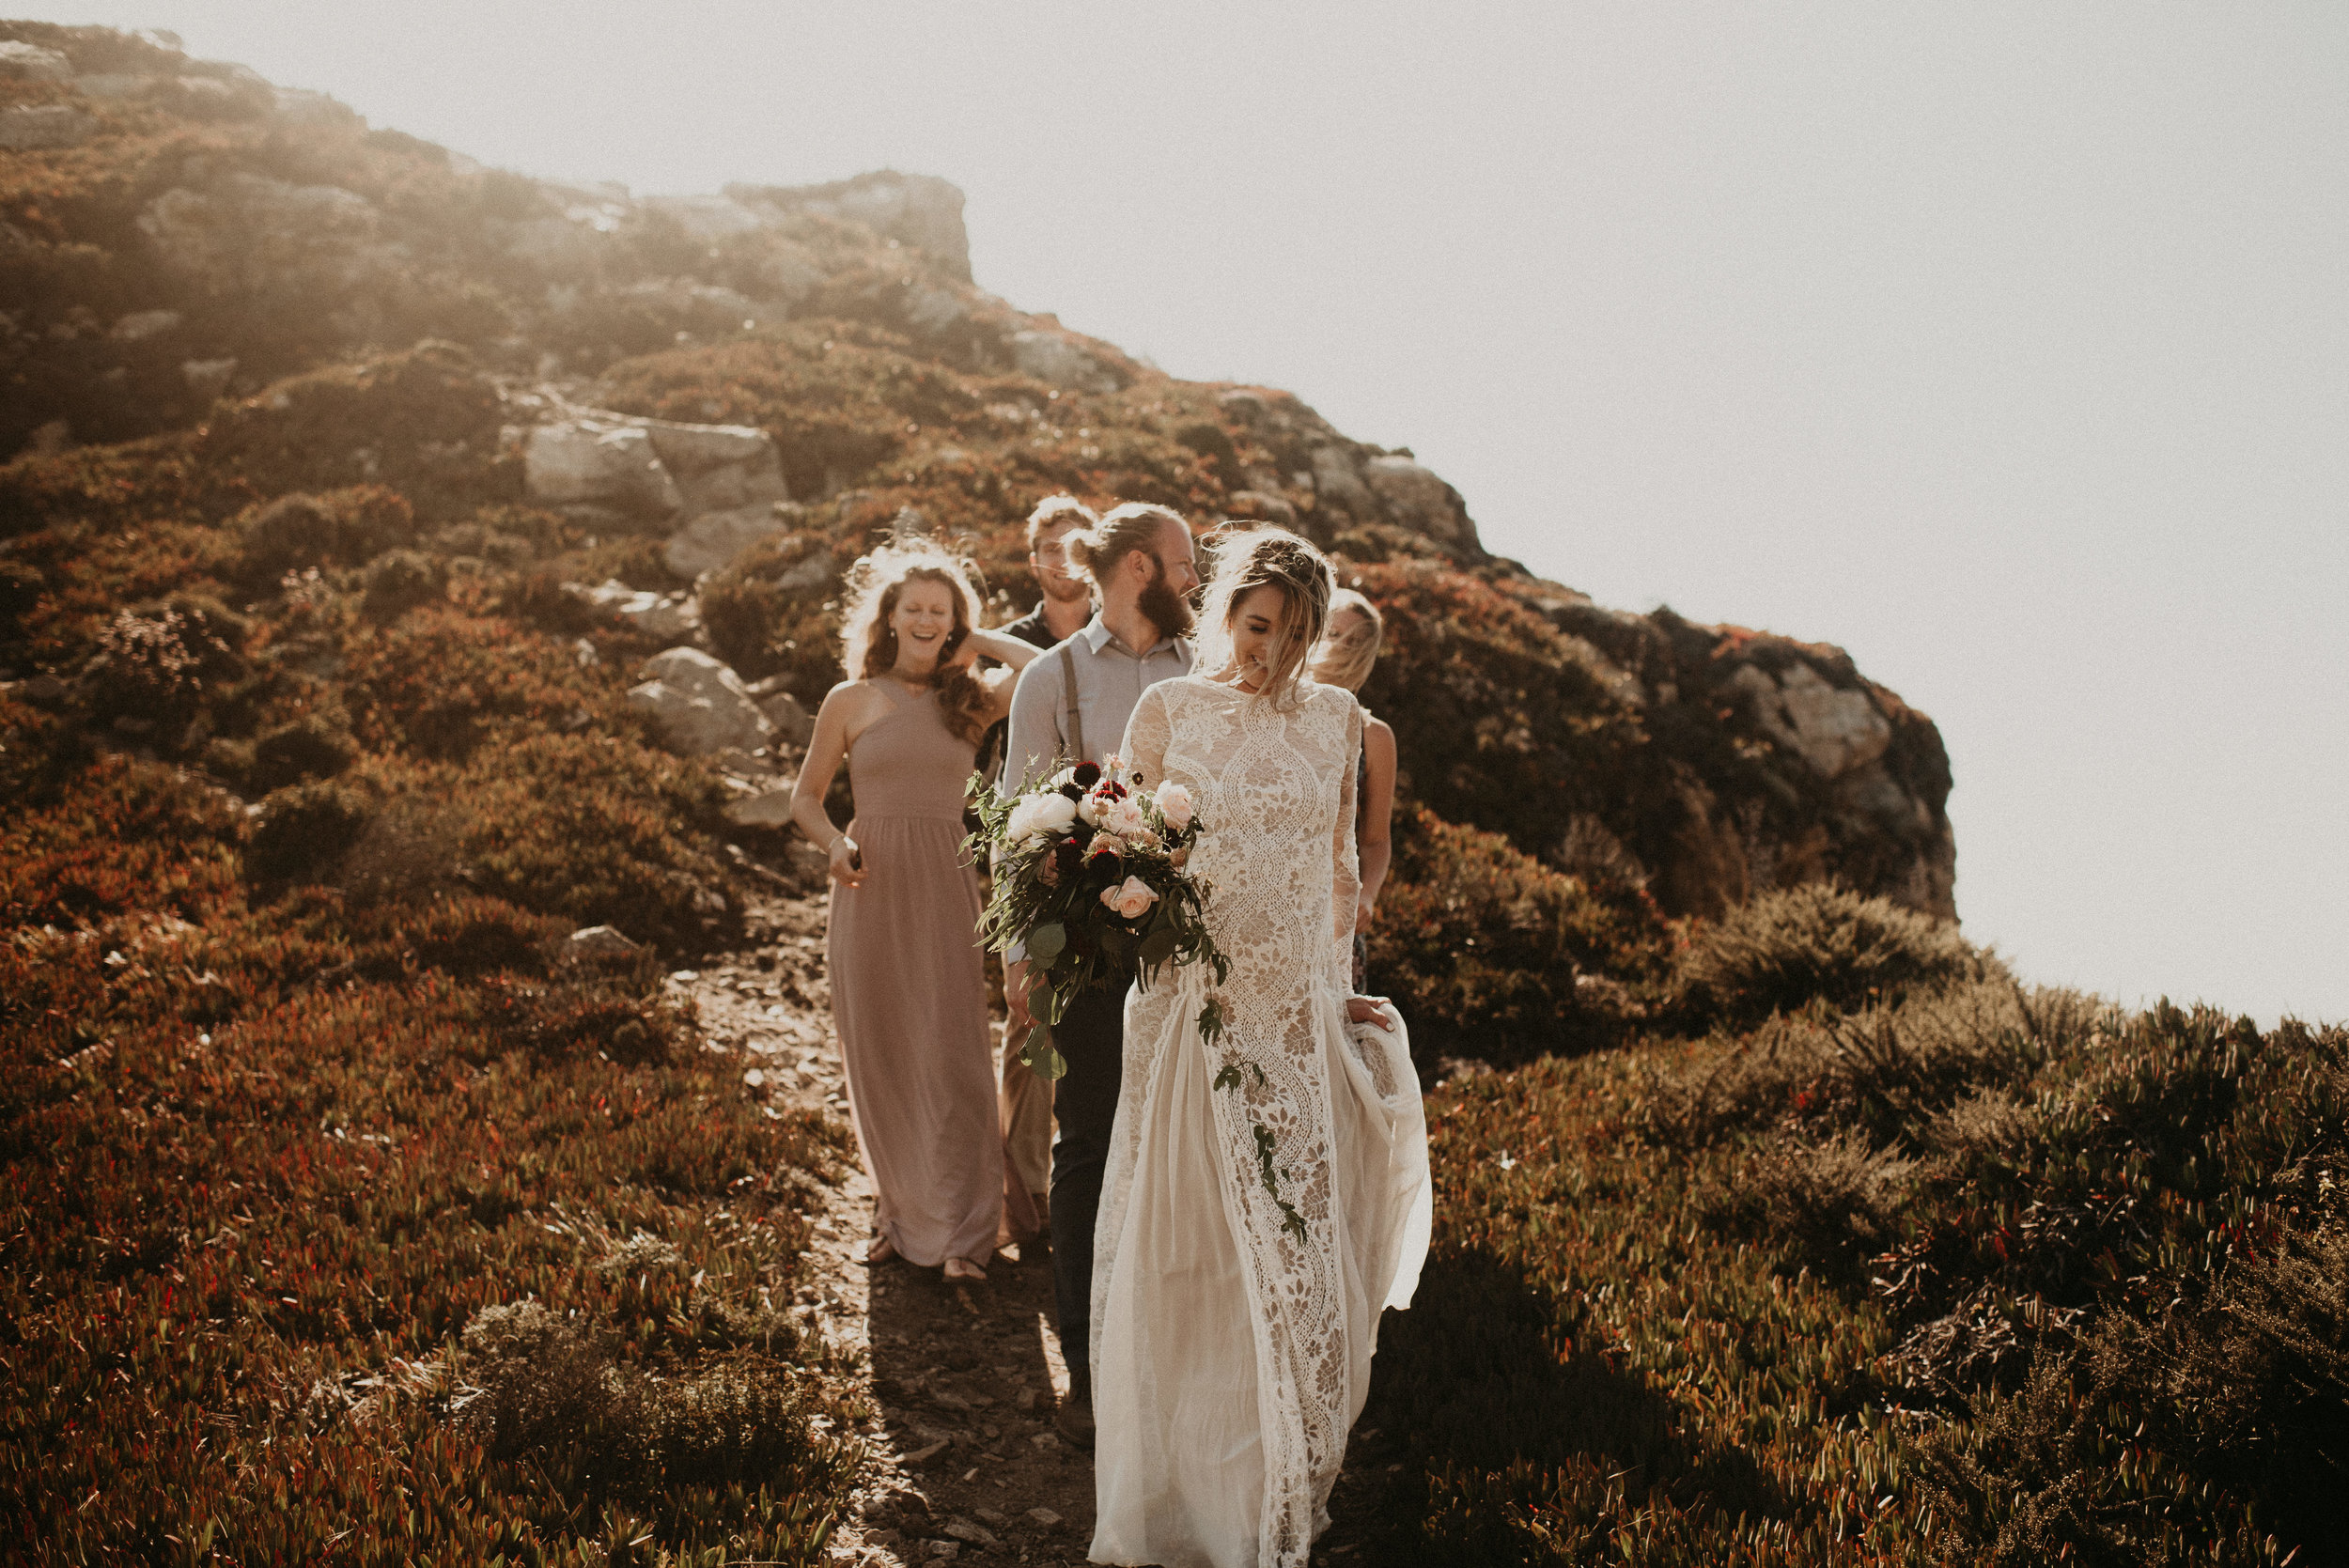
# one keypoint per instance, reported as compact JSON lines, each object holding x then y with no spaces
{"x":965,"y":1465}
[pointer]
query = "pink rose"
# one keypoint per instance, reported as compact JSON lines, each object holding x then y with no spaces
{"x":1175,"y":805}
{"x":1125,"y":820}
{"x":1132,"y":898}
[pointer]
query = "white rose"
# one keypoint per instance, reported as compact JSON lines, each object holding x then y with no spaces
{"x":1175,"y":805}
{"x":1040,"y":815}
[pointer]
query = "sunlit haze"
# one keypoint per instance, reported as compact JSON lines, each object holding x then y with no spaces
{"x":2005,"y":346}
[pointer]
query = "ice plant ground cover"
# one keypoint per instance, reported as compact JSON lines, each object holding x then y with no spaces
{"x":305,"y":757}
{"x":1960,"y":1272}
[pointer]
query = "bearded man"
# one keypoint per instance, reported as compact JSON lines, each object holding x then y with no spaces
{"x":1071,"y":706}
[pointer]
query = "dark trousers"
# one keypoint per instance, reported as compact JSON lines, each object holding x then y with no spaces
{"x":1092,"y":1037}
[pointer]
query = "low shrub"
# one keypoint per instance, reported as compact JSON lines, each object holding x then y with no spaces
{"x":339,"y":528}
{"x":2091,"y":1309}
{"x":764,"y":620}
{"x":1901,"y":1072}
{"x":598,"y":829}
{"x":438,"y":682}
{"x":318,"y":745}
{"x":558,"y":1398}
{"x":581,"y":1014}
{"x":400,"y":580}
{"x":424,"y":420}
{"x":2215,"y":1429}
{"x":303,"y":829}
{"x":1818,"y":942}
{"x":263,"y":1164}
{"x":1493,"y":955}
{"x":155,"y":665}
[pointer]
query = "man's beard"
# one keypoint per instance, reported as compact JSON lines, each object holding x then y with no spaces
{"x":1065,"y":590}
{"x":1167,"y":610}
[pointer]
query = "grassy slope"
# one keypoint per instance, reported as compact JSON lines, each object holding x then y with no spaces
{"x":1964,"y":1272}
{"x":335,"y":824}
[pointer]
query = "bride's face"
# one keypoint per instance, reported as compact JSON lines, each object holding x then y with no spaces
{"x":922,"y":620}
{"x":1257,"y":618}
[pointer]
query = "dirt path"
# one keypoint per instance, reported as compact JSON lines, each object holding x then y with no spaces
{"x":964,"y":1377}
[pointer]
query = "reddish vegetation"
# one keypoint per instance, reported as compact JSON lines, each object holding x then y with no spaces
{"x":341,"y":1217}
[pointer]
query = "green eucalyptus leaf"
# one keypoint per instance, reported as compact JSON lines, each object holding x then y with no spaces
{"x":1046,"y":941}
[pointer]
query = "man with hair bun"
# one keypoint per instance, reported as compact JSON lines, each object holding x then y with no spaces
{"x":1071,"y":706}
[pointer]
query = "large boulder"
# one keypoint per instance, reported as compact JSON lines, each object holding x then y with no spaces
{"x":1419,"y":500}
{"x":700,"y":704}
{"x":707,"y":543}
{"x":720,"y":467}
{"x":652,"y":467}
{"x":794,"y":725}
{"x":769,"y":808}
{"x":1338,"y":484}
{"x":667,"y":615}
{"x":30,"y":62}
{"x":1834,"y":731}
{"x":1050,"y":357}
{"x":599,"y":463}
{"x":44,"y":127}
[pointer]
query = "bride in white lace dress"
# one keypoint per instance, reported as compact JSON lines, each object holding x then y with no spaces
{"x":1231,"y":1354}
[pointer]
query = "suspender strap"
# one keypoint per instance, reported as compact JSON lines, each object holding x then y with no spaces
{"x":1072,"y":720}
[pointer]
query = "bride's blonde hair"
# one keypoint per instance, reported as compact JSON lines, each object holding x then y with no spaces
{"x":868,"y":644}
{"x":1248,"y":559}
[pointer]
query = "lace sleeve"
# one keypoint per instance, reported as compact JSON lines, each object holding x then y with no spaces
{"x":1144,"y":747}
{"x":1346,"y":868}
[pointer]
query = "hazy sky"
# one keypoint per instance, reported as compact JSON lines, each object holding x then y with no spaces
{"x":2006,"y":346}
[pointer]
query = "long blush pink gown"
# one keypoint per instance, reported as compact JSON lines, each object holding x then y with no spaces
{"x":908,"y":991}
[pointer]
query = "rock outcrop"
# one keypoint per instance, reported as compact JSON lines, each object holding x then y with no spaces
{"x":683,"y":416}
{"x":700,"y":704}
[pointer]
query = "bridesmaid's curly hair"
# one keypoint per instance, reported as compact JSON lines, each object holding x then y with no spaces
{"x":869,"y":646}
{"x":1248,"y":559}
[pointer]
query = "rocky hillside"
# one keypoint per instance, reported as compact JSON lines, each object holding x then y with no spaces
{"x":670,"y":421}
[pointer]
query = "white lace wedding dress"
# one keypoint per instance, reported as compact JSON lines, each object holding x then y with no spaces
{"x":1231,"y":1358}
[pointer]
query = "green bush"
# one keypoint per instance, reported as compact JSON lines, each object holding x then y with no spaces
{"x":156,"y":664}
{"x":344,"y":527}
{"x":1898,"y":1071}
{"x":762,"y":627}
{"x":598,"y":829}
{"x":400,"y":580}
{"x":304,"y":829}
{"x":318,"y":745}
{"x":1492,"y":955}
{"x":1818,"y":942}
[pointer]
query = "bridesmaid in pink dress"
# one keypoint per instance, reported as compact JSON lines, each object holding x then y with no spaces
{"x":909,"y":993}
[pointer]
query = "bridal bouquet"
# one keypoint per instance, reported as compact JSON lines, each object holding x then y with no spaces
{"x":1091,"y":877}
